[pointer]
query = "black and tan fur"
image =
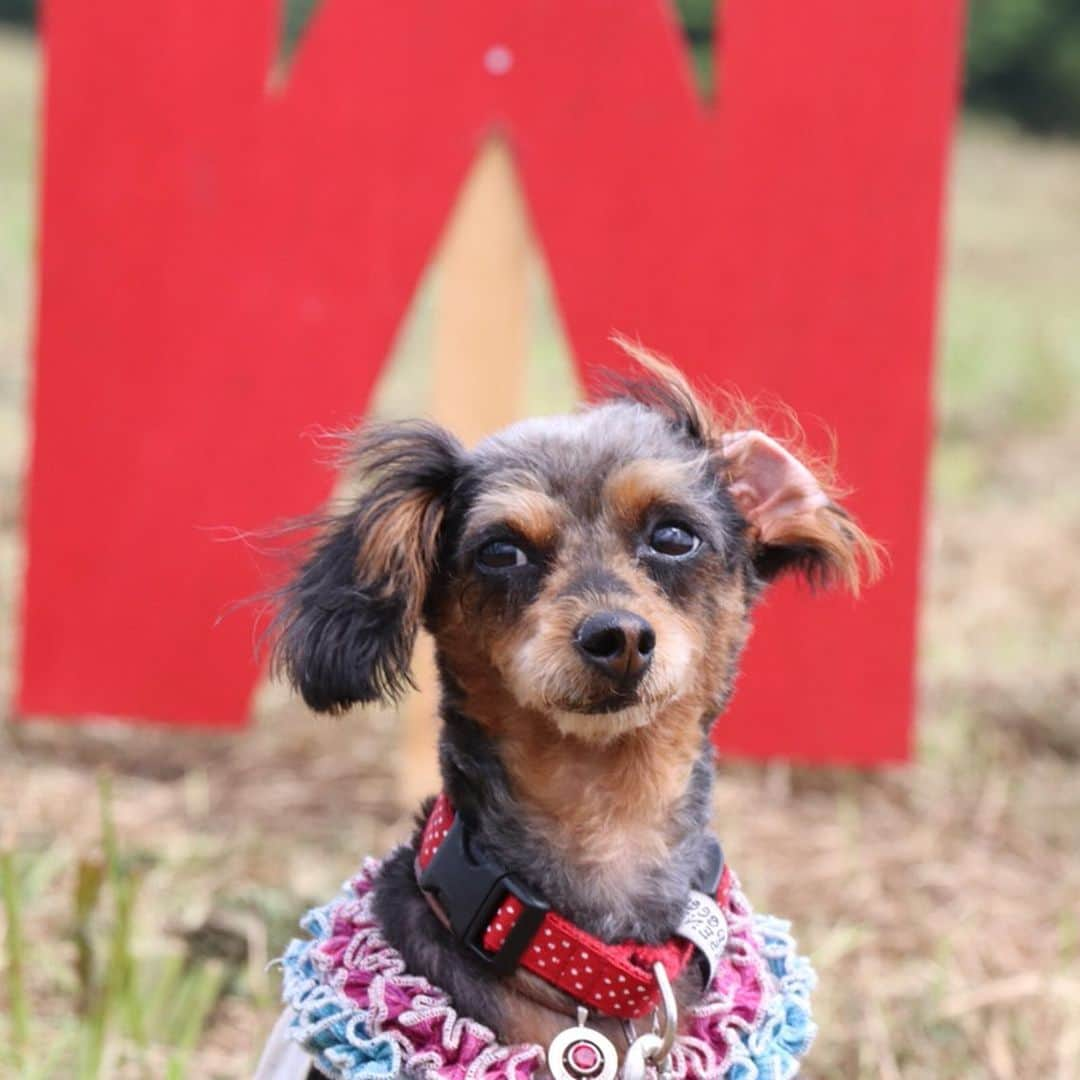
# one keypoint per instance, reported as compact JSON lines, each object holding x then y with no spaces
{"x":596,"y":795}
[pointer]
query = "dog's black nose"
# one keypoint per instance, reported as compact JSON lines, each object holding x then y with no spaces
{"x":619,"y":643}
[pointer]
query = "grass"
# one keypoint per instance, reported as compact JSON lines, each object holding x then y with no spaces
{"x":1011,"y":348}
{"x":131,"y":1009}
{"x":15,"y":949}
{"x":940,"y":901}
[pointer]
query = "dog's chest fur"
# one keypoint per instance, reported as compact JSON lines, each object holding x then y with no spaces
{"x":612,"y":819}
{"x":613,"y":838}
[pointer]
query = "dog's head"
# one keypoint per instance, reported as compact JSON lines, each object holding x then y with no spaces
{"x":582,"y":574}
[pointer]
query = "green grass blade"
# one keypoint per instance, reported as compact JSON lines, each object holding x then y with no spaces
{"x":56,"y":1059}
{"x":89,"y":877}
{"x":121,"y":988}
{"x":162,"y":995}
{"x":208,"y":983}
{"x":15,"y":952}
{"x":92,"y":1048}
{"x":202,"y":988}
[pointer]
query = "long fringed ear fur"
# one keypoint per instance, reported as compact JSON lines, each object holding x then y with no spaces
{"x":794,"y":522}
{"x":347,"y":623}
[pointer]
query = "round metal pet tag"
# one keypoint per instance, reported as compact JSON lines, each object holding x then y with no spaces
{"x":579,"y":1053}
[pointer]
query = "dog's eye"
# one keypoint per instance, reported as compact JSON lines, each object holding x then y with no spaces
{"x":501,"y":555}
{"x":674,"y":541}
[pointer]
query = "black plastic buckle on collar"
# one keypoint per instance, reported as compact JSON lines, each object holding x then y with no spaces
{"x":468,"y":888}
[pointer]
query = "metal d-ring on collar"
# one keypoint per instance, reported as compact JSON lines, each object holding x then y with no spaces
{"x":653,"y":1048}
{"x":671,"y":1013}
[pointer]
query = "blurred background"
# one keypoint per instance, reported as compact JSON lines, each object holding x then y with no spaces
{"x":147,"y":877}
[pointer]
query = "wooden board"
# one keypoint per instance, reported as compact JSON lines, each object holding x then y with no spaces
{"x":478,"y":377}
{"x":223,"y":267}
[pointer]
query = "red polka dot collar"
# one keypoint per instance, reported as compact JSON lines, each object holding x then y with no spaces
{"x":507,"y":926}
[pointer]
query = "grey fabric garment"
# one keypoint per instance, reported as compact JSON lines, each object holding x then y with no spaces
{"x":281,"y":1058}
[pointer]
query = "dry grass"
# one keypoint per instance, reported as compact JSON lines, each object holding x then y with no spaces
{"x":941,"y":901}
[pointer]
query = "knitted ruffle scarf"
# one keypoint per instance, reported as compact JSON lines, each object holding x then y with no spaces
{"x":360,"y":1014}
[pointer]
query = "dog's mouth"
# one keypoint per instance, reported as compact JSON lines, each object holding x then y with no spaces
{"x":604,"y":720}
{"x":612,"y":703}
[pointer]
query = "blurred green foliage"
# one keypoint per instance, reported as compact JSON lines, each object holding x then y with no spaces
{"x":17,"y":11}
{"x":699,"y":27}
{"x":296,"y":15}
{"x":1023,"y":56}
{"x":1023,"y":59}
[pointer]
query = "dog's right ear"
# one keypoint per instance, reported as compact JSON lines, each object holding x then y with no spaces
{"x":793,"y":522}
{"x":347,"y":622}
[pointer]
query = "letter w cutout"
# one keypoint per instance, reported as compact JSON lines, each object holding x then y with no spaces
{"x":224,"y":265}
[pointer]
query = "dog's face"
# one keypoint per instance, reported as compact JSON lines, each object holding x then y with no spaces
{"x":590,"y":574}
{"x":594,"y":572}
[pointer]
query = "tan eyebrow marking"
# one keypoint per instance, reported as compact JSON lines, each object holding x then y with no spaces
{"x":537,"y":517}
{"x":630,"y":491}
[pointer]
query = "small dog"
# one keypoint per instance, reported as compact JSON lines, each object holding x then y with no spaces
{"x":588,"y":581}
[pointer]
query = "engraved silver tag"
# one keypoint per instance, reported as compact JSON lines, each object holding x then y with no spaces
{"x":704,"y":924}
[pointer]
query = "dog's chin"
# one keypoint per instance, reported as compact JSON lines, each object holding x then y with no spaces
{"x":603,"y":725}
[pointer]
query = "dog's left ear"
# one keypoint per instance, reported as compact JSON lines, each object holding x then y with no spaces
{"x":347,"y":622}
{"x":794,"y":524}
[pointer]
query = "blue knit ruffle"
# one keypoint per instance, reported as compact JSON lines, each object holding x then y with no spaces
{"x":325,"y":1022}
{"x":783,"y":1035}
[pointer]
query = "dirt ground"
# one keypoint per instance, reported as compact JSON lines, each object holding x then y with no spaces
{"x":939,"y":901}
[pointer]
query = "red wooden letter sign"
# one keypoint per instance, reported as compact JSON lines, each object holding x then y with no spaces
{"x":224,"y":263}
